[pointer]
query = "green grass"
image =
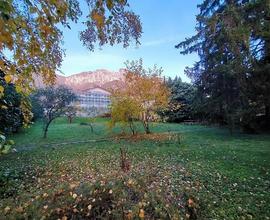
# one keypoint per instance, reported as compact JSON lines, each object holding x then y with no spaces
{"x":209,"y":174}
{"x":61,"y":131}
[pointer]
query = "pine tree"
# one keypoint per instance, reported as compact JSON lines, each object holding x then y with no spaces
{"x":232,"y":41}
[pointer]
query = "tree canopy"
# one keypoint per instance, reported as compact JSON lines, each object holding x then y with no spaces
{"x":125,"y":111}
{"x":181,"y":100}
{"x":232,"y":75}
{"x":31,"y":36}
{"x":54,"y":102}
{"x":144,"y":90}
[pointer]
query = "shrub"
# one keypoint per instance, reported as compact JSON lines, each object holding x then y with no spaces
{"x":5,"y":145}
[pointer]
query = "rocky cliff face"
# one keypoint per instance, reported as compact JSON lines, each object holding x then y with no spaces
{"x":86,"y":80}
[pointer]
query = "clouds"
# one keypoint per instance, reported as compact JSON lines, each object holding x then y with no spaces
{"x":159,"y":42}
{"x":154,"y":43}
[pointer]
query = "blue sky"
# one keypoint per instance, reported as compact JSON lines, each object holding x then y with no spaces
{"x":165,"y":23}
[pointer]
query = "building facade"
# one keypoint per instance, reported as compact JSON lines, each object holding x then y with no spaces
{"x":93,"y":102}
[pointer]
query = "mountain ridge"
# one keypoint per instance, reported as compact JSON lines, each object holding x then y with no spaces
{"x":79,"y":82}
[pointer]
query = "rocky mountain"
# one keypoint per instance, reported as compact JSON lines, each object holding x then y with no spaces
{"x":81,"y":81}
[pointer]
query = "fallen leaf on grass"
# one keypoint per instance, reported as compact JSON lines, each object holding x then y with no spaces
{"x":190,"y":202}
{"x":19,"y":209}
{"x":7,"y":209}
{"x":141,"y":214}
{"x":89,"y":207}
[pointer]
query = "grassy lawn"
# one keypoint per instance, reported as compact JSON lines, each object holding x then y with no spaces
{"x":207,"y":175}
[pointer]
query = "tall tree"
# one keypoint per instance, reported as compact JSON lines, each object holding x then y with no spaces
{"x":258,"y":18}
{"x":229,"y":35}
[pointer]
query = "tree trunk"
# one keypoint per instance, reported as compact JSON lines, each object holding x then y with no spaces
{"x":131,"y":126}
{"x":231,"y":126}
{"x":45,"y":131}
{"x":146,"y":127}
{"x":146,"y":122}
{"x":91,"y":127}
{"x":70,"y":120}
{"x":267,"y":63}
{"x":46,"y":128}
{"x":124,"y":161}
{"x":147,"y":130}
{"x":267,"y":115}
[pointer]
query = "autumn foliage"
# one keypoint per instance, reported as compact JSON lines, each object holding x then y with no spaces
{"x":142,"y":96}
{"x":31,"y":37}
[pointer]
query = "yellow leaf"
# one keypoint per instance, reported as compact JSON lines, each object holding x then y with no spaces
{"x":122,"y":2}
{"x":72,"y":185}
{"x":19,"y":209}
{"x":2,"y":63}
{"x":8,"y":78}
{"x":45,"y":195}
{"x":141,"y":214}
{"x":98,"y":18}
{"x":12,"y":69}
{"x":130,"y":182}
{"x":21,"y":62}
{"x":129,"y":215}
{"x":46,"y":29}
{"x":18,"y":88}
{"x":1,"y":89}
{"x":109,"y":4}
{"x":7,"y":209}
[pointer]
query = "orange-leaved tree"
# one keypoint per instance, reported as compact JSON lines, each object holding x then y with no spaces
{"x":31,"y":37}
{"x":145,"y":89}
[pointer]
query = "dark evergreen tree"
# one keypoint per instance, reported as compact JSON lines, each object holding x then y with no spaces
{"x":11,"y":116}
{"x":232,"y":75}
{"x":181,"y":100}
